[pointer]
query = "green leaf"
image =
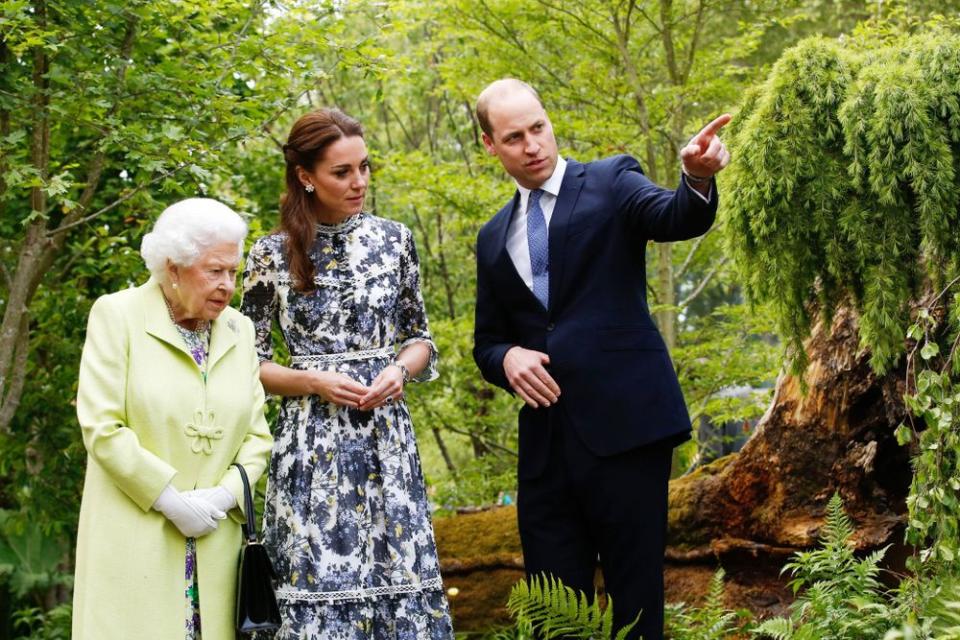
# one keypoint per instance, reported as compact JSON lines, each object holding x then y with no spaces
{"x":903,"y":434}
{"x":929,"y":350}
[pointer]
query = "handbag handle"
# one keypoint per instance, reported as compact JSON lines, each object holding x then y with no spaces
{"x":249,"y":527}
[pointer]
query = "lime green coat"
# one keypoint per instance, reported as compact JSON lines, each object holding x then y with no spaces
{"x":148,"y":419}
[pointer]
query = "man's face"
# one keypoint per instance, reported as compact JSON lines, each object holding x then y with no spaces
{"x":522,"y":137}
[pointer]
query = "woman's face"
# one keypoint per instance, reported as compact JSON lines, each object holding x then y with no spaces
{"x":205,"y":288}
{"x":340,"y":179}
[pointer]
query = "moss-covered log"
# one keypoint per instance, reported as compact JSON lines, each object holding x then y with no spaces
{"x":481,"y":560}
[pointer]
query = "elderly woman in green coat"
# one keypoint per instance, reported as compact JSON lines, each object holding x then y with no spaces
{"x":169,"y":397}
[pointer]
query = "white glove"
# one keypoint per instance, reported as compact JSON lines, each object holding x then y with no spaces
{"x":193,"y":516}
{"x":217,"y":496}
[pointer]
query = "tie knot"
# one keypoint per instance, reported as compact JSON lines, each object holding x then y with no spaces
{"x":535,"y":197}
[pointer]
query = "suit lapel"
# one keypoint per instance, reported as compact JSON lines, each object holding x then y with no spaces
{"x":223,"y":333}
{"x":223,"y":337}
{"x":156,"y":318}
{"x":562,"y":210}
{"x":503,"y":263}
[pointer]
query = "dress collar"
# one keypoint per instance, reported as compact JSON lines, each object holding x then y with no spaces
{"x":345,"y":226}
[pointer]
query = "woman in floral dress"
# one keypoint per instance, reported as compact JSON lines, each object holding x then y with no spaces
{"x":346,"y":516}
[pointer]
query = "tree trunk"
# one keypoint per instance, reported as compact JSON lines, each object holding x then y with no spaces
{"x":750,"y":511}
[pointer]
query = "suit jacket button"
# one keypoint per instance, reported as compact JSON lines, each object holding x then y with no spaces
{"x":551,"y":326}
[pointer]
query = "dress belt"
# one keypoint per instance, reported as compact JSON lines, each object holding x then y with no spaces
{"x":326,"y":358}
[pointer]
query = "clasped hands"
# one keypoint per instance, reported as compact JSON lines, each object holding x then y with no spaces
{"x":343,"y":390}
{"x":527,"y":375}
{"x":195,"y":513}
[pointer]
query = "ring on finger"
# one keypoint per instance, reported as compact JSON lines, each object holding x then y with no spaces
{"x":389,"y":399}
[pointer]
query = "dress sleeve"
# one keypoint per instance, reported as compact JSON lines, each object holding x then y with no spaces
{"x":411,"y":314}
{"x":260,"y":295}
{"x":101,"y":402}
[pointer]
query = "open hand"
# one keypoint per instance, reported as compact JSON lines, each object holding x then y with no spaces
{"x":525,"y":372}
{"x":705,"y":155}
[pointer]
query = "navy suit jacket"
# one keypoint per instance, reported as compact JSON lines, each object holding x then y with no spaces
{"x":618,"y":386}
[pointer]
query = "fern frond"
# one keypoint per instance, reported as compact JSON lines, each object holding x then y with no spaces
{"x":547,"y":606}
{"x":775,"y":629}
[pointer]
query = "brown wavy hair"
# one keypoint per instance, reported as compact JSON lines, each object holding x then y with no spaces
{"x":306,"y":144}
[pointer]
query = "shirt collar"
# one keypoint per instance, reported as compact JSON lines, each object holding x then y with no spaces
{"x":552,"y":184}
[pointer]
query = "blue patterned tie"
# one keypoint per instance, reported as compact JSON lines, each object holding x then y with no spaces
{"x":539,"y":248}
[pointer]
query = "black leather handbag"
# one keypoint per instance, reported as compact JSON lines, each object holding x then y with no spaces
{"x":256,"y":601}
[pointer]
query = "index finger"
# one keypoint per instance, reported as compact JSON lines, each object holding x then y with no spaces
{"x":711,"y":129}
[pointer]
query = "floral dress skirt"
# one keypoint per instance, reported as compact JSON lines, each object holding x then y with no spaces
{"x":347,"y":521}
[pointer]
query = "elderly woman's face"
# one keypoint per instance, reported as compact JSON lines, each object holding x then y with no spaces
{"x":204,"y":288}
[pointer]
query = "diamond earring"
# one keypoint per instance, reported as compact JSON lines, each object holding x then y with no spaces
{"x":308,"y":188}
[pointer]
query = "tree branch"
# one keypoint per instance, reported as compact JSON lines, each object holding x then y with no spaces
{"x":487,"y":443}
{"x":448,"y":286}
{"x":11,"y":399}
{"x":66,"y":226}
{"x":40,"y":139}
{"x":666,"y":34}
{"x":703,"y":283}
{"x":4,"y":127}
{"x":444,"y":452}
{"x":254,"y":6}
{"x":693,"y":250}
{"x":694,"y":42}
{"x":579,"y":20}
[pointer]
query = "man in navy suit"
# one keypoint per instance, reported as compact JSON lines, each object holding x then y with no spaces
{"x":562,"y":321}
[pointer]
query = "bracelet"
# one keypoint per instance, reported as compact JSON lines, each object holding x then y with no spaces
{"x":694,"y":179}
{"x":403,"y":370}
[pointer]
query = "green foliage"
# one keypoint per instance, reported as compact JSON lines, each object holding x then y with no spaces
{"x":840,"y":596}
{"x":730,"y":345}
{"x":545,"y":606}
{"x":36,"y":624}
{"x":30,"y":562}
{"x":845,"y":172}
{"x":478,"y":481}
{"x":208,"y":93}
{"x":934,"y":510}
{"x":712,"y":621}
{"x":935,"y":614}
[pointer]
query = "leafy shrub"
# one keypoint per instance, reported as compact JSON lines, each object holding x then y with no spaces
{"x":840,"y":596}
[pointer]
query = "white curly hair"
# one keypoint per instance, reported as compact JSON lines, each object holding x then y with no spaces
{"x":186,"y":229}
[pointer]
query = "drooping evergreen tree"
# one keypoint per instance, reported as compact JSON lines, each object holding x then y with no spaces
{"x":846,"y":196}
{"x":846,"y":185}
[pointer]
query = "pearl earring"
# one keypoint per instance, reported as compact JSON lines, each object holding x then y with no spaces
{"x":308,"y":188}
{"x":174,"y":285}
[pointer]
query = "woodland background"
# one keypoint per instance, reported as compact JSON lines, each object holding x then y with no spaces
{"x":826,"y":289}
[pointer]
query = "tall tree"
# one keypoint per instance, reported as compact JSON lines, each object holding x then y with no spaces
{"x":164,"y":91}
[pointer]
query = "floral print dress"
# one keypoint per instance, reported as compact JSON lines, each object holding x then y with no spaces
{"x":198,"y":342}
{"x":346,"y":518}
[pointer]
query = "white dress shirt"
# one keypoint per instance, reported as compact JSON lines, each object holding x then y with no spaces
{"x":517,"y":245}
